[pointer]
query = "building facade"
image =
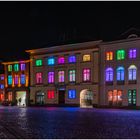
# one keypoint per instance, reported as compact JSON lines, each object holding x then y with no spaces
{"x":120,"y":70}
{"x":65,"y":75}
{"x":17,"y":82}
{"x":2,"y":87}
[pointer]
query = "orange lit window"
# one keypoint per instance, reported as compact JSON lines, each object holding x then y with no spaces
{"x":109,"y":55}
{"x":9,"y":96}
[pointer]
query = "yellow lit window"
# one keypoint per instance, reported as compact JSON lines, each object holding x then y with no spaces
{"x":9,"y":67}
{"x":86,"y":57}
{"x":109,"y":56}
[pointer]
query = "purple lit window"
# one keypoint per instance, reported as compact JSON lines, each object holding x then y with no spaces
{"x":22,"y":66}
{"x":16,"y":79}
{"x":2,"y":78}
{"x":72,"y":59}
{"x":86,"y":75}
{"x":109,"y":74}
{"x":132,"y":53}
{"x":61,"y":60}
{"x":50,"y":77}
{"x":61,"y":76}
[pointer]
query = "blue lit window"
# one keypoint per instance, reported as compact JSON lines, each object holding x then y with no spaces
{"x":72,"y":94}
{"x":72,"y":59}
{"x":22,"y":79}
{"x":10,"y":80}
{"x":120,"y":74}
{"x":2,"y":86}
{"x":51,"y":61}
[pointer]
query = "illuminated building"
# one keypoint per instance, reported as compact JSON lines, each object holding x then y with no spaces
{"x":2,"y":87}
{"x":17,"y":82}
{"x":65,"y":74}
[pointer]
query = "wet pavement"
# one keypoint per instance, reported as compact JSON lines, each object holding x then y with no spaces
{"x":51,"y":122}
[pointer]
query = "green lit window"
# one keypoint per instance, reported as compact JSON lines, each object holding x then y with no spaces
{"x":38,"y":62}
{"x":9,"y":67}
{"x":16,"y":67}
{"x":132,"y":97}
{"x":120,"y":54}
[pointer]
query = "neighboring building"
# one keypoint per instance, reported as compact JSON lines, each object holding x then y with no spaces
{"x":65,"y":74}
{"x":120,"y":70}
{"x":17,"y":82}
{"x":2,"y":87}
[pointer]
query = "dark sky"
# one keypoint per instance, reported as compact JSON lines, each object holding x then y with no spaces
{"x":30,"y":25}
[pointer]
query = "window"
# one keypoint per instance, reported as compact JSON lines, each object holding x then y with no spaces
{"x":86,"y":75}
{"x":120,"y":54}
{"x":22,"y":78}
{"x":132,"y":53}
{"x":2,"y":78}
{"x":9,"y":68}
{"x":109,"y":56}
{"x":9,"y":79}
{"x":132,"y":97}
{"x":1,"y":86}
{"x":16,"y":79}
{"x":72,"y":59}
{"x":86,"y":57}
{"x":39,"y":78}
{"x":51,"y":77}
{"x":109,"y":75}
{"x":22,"y":66}
{"x":61,"y":60}
{"x":72,"y":75}
{"x":120,"y":74}
{"x":16,"y":67}
{"x":38,"y":62}
{"x":50,"y":94}
{"x":72,"y":94}
{"x":51,"y":61}
{"x":9,"y":96}
{"x":132,"y":72}
{"x":61,"y":76}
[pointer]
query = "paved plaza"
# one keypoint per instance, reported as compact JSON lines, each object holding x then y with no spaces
{"x":51,"y":122}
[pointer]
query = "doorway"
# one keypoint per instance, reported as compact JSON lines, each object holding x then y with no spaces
{"x":39,"y":98}
{"x":132,"y":97}
{"x":61,"y":96}
{"x":21,"y":98}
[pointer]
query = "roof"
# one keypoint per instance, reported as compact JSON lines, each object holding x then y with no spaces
{"x":67,"y":47}
{"x":14,"y":62}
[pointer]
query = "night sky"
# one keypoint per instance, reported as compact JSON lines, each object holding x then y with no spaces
{"x":30,"y":25}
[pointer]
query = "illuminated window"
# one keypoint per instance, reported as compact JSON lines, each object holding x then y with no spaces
{"x":22,"y":66}
{"x":109,"y":74}
{"x":9,"y":67}
{"x":132,"y":73}
{"x":9,"y":96}
{"x":61,"y":76}
{"x":1,"y":86}
{"x":120,"y":54}
{"x":2,"y":78}
{"x":16,"y":79}
{"x":132,"y":97}
{"x":120,"y":73}
{"x":86,"y":75}
{"x":50,"y":94}
{"x":72,"y":94}
{"x":16,"y":67}
{"x":39,"y":78}
{"x":9,"y":79}
{"x":51,"y":61}
{"x":109,"y":55}
{"x":51,"y":77}
{"x":132,"y":53}
{"x":86,"y":57}
{"x":72,"y":75}
{"x":61,"y":60}
{"x":22,"y":79}
{"x":72,"y":59}
{"x":38,"y":62}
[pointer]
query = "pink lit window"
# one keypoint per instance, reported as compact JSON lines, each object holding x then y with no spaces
{"x":61,"y":60}
{"x":22,"y":66}
{"x":39,"y":78}
{"x":61,"y":76}
{"x":16,"y":79}
{"x":51,"y":77}
{"x":50,"y":94}
{"x":86,"y":75}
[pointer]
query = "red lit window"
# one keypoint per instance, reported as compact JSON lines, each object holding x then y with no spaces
{"x":1,"y":97}
{"x":50,"y":94}
{"x":109,"y":55}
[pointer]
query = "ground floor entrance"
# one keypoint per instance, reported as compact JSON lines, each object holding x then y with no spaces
{"x":132,"y":97}
{"x":40,"y":98}
{"x":21,"y":98}
{"x":61,"y":96}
